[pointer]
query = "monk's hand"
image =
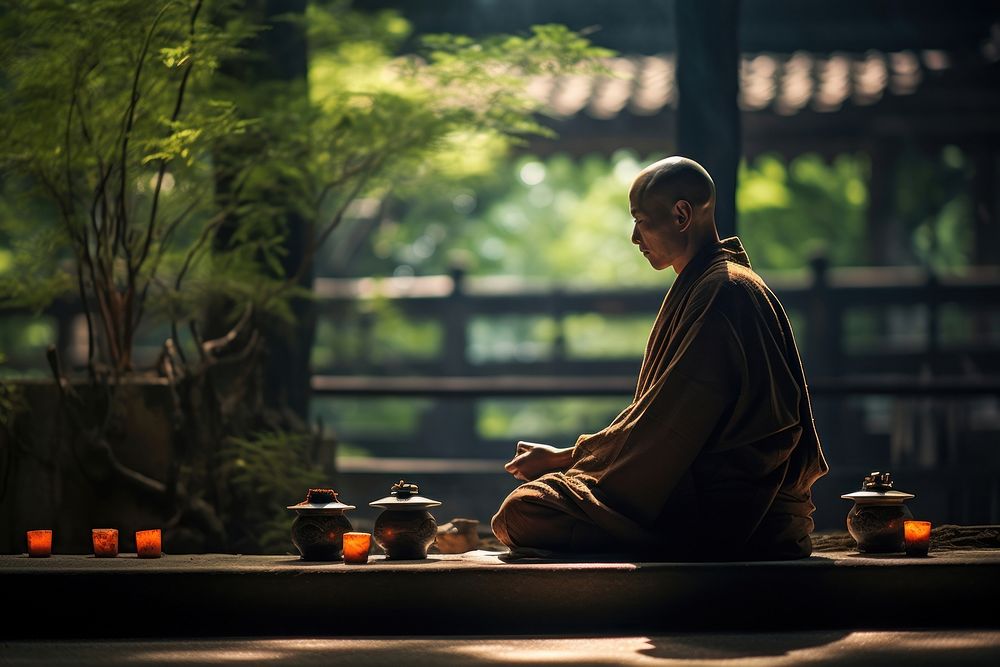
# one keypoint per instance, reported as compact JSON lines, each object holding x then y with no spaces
{"x":533,"y":459}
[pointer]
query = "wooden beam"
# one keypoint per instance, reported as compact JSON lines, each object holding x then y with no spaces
{"x":523,"y":386}
{"x":708,"y":118}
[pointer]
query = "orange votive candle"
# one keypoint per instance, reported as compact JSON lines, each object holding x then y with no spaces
{"x":917,"y":537}
{"x":105,"y":542}
{"x":39,"y":543}
{"x":147,"y":543}
{"x":356,"y":546}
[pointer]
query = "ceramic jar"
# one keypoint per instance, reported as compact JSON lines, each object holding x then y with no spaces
{"x":405,"y":529}
{"x":876,"y":520}
{"x":318,"y":530}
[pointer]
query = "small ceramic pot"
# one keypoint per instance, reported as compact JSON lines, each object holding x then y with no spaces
{"x":318,"y":530}
{"x":405,"y":529}
{"x":457,"y":536}
{"x":876,"y":520}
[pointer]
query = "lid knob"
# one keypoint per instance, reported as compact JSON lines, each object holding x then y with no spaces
{"x":403,"y":489}
{"x":321,"y":496}
{"x":877,"y":481}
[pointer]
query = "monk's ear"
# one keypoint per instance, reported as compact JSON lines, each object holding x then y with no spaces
{"x":683,"y":214}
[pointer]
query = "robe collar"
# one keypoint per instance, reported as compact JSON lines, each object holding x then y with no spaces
{"x":730,"y":250}
{"x":733,"y":250}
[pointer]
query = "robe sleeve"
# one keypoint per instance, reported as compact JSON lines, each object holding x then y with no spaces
{"x":681,"y":412}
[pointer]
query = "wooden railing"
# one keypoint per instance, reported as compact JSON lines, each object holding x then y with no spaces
{"x":922,"y":375}
{"x":918,"y":375}
{"x":820,"y":300}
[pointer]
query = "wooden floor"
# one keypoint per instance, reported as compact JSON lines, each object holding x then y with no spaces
{"x":864,"y":648}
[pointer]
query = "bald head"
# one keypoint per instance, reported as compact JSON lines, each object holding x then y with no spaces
{"x":661,"y":184}
{"x":673,"y":204}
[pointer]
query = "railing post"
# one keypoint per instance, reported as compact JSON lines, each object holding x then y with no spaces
{"x":456,"y":327}
{"x":452,"y":422}
{"x":933,"y":321}
{"x":823,"y":324}
{"x":559,"y":319}
{"x":823,"y":341}
{"x":366,"y":334}
{"x":66,"y":334}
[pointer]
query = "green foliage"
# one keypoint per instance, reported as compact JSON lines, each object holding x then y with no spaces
{"x":35,"y":259}
{"x":790,"y":211}
{"x":934,"y":208}
{"x":508,"y":337}
{"x":137,"y":155}
{"x":12,"y":402}
{"x":22,"y":336}
{"x":264,"y":473}
{"x":141,"y":171}
{"x":391,"y":123}
{"x":383,"y":416}
{"x":595,"y":336}
{"x":376,"y":333}
{"x":486,"y":77}
{"x":546,"y":418}
{"x":107,"y":116}
{"x":557,"y":219}
{"x":563,"y":220}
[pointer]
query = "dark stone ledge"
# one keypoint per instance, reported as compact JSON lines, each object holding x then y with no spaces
{"x":228,"y":595}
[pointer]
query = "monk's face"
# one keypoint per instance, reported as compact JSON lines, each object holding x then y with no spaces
{"x":655,"y":231}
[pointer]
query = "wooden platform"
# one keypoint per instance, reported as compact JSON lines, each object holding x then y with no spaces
{"x":478,"y":593}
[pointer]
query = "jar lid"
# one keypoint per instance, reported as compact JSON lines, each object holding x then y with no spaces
{"x":403,"y":496}
{"x":878,"y":486}
{"x":321,"y":499}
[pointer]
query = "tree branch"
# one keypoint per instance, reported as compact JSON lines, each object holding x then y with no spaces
{"x":210,"y":227}
{"x":68,"y":143}
{"x":163,"y":163}
{"x":215,"y":345}
{"x":129,"y":122}
{"x":309,"y":255}
{"x":86,"y":312}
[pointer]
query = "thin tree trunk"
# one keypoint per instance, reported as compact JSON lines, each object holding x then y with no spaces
{"x":277,"y":54}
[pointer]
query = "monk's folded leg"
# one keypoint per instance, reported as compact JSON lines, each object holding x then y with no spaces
{"x":523,"y":521}
{"x":531,"y":518}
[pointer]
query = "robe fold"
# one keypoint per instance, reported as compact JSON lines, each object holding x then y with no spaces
{"x":714,"y":458}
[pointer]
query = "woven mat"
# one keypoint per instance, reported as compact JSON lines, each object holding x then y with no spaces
{"x":943,"y":538}
{"x":947,"y":537}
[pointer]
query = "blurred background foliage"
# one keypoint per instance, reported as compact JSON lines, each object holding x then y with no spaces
{"x":559,"y":221}
{"x":478,"y":203}
{"x":206,"y":203}
{"x":563,"y":220}
{"x":265,"y":473}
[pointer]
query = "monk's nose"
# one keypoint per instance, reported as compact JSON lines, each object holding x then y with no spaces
{"x":635,"y":234}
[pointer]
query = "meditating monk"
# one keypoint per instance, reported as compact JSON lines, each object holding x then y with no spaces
{"x":716,"y":455}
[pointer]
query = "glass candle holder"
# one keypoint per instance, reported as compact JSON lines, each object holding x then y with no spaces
{"x":105,"y":542}
{"x":356,"y":547}
{"x":917,"y":537}
{"x":39,"y":543}
{"x":147,"y":543}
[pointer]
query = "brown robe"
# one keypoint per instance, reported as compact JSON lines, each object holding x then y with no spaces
{"x":714,"y":458}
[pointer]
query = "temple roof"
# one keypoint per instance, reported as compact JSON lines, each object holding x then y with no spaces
{"x":782,"y":83}
{"x":792,"y":102}
{"x":823,"y":77}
